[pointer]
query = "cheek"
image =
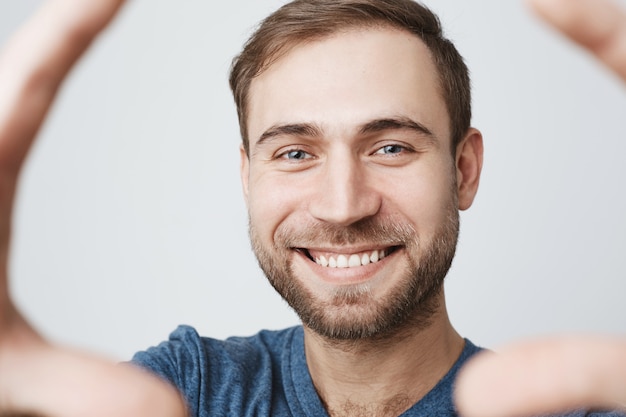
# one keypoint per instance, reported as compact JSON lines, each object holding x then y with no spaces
{"x":271,"y":200}
{"x":423,"y":198}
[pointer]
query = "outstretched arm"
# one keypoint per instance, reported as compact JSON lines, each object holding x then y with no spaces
{"x":35,"y":376}
{"x":559,"y":374}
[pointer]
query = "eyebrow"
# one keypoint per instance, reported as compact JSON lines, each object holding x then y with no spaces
{"x":296,"y":129}
{"x":394,"y":123}
{"x":373,"y":126}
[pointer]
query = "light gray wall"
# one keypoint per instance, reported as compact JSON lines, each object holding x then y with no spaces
{"x":130,"y":218}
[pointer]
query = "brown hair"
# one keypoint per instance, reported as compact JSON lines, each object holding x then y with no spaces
{"x":307,"y":20}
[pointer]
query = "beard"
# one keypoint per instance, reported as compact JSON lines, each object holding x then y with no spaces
{"x":351,"y":312}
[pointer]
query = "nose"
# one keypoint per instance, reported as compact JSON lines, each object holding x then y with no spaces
{"x":345,"y":192}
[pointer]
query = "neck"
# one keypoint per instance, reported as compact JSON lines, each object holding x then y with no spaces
{"x":382,"y":377}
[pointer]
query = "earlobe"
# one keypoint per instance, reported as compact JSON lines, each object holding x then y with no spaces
{"x":469,"y":164}
{"x":244,"y":171}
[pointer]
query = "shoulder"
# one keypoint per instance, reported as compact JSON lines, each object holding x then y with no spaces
{"x":469,"y":350}
{"x":186,"y":354}
{"x":185,"y":347}
{"x":213,"y":373}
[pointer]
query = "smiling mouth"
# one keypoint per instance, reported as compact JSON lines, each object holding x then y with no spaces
{"x":347,"y":260}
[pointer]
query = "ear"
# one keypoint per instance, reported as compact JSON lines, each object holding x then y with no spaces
{"x":469,"y":163}
{"x":244,"y":171}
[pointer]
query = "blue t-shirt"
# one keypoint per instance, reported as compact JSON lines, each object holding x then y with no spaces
{"x":263,"y":375}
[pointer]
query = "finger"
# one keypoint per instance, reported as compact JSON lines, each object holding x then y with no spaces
{"x":35,"y":62}
{"x":598,"y":25}
{"x":32,"y":67}
{"x":35,"y":377}
{"x":547,"y":376}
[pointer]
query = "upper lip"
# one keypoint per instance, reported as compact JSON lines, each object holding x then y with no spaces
{"x":347,"y":250}
{"x":326,"y":252}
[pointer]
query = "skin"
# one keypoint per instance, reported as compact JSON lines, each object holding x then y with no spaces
{"x":339,"y":176}
{"x":569,"y":372}
{"x":35,"y":376}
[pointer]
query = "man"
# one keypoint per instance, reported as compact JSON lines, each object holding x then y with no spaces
{"x":357,"y":155}
{"x":354,"y":165}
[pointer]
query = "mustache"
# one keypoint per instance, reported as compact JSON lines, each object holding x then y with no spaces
{"x":378,"y":231}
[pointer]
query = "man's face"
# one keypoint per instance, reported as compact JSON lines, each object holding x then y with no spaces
{"x":350,"y":182}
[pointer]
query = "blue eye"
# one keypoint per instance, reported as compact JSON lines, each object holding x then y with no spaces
{"x":391,"y":149}
{"x":296,"y":155}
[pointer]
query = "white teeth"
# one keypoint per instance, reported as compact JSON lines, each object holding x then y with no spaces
{"x":350,"y":261}
{"x":354,"y":260}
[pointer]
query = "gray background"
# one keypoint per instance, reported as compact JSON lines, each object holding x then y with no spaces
{"x":130,"y":218}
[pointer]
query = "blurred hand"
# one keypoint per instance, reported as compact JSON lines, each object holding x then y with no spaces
{"x":545,"y":376}
{"x":558,"y":374}
{"x":35,"y":376}
{"x":598,"y":25}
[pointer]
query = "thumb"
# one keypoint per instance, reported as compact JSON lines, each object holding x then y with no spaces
{"x":545,"y":376}
{"x":598,"y":25}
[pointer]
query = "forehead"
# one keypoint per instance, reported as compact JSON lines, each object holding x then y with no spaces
{"x":342,"y":81}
